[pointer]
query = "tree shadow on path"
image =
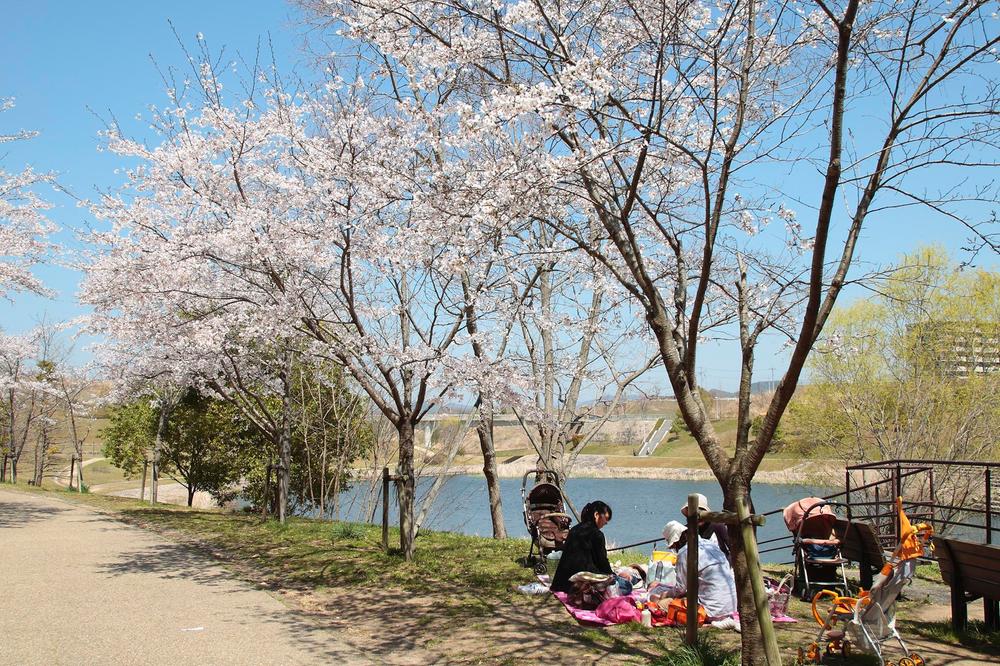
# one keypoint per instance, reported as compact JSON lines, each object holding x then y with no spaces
{"x":192,"y":563}
{"x":170,"y":561}
{"x":19,"y":514}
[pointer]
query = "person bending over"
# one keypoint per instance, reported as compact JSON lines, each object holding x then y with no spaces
{"x":585,"y":549}
{"x":717,"y":533}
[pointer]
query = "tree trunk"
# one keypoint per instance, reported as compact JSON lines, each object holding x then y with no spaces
{"x":191,"y":490}
{"x":285,"y":439}
{"x":77,"y":441}
{"x":485,"y":431}
{"x":40,"y":450}
{"x":284,"y":460}
{"x":161,"y":431}
{"x":406,"y":486}
{"x":752,"y":641}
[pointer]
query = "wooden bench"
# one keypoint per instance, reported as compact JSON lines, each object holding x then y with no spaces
{"x":859,"y":543}
{"x":972,"y":570}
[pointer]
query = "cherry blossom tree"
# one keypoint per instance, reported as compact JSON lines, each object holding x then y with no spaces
{"x":241,"y":233}
{"x":698,"y":137}
{"x":579,"y":342}
{"x":28,"y":370}
{"x":18,"y":410}
{"x":23,"y":226}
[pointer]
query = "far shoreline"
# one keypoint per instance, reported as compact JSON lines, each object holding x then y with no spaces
{"x":596,"y":467}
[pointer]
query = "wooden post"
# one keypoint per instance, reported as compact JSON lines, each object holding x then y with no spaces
{"x":897,"y":492}
{"x":866,"y":568}
{"x":991,"y":614}
{"x":757,"y":583}
{"x":276,"y":499}
{"x":142,"y":489}
{"x":79,"y":476}
{"x":959,"y":612}
{"x":691,"y":635}
{"x":847,"y":493}
{"x":153,"y":479}
{"x":385,"y":509}
{"x":267,"y":492}
{"x":989,"y":505}
{"x":72,"y":471}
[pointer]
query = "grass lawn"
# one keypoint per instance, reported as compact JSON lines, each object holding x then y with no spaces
{"x":103,"y":472}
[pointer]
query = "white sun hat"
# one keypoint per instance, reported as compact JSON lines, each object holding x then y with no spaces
{"x":672,"y":531}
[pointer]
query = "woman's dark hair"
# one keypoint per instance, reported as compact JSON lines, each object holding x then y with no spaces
{"x":597,"y":506}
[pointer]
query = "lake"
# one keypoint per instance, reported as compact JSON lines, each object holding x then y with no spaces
{"x":641,"y":506}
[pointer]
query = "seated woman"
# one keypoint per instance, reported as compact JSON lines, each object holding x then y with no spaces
{"x":585,"y":548}
{"x":716,"y":581}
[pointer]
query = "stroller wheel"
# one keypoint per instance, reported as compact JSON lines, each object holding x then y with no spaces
{"x":906,"y":661}
{"x":540,"y":567}
{"x":845,"y":649}
{"x":917,"y":659}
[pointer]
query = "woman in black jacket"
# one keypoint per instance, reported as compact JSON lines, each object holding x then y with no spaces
{"x":584,"y":549}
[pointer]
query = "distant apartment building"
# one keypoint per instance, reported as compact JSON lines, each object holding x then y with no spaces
{"x":961,"y":348}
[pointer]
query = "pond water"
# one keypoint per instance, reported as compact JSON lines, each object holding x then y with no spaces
{"x":641,"y":506}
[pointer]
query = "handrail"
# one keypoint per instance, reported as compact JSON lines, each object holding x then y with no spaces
{"x":888,"y":464}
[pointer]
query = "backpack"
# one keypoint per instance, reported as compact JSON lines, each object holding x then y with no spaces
{"x":677,"y":612}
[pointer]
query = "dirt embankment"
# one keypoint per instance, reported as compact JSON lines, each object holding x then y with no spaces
{"x":597,"y":467}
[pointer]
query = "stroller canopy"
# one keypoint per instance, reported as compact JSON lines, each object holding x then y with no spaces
{"x":819,"y":512}
{"x":545,"y":495}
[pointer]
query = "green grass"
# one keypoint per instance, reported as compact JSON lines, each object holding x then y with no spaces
{"x":929,"y":572}
{"x":103,"y":472}
{"x":707,"y":652}
{"x":340,"y":531}
{"x":680,"y":450}
{"x":975,"y":635}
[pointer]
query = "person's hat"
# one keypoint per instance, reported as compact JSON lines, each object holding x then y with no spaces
{"x":702,"y":504}
{"x":672,"y":531}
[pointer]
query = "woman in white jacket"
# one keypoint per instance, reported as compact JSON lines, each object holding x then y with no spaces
{"x":716,"y":581}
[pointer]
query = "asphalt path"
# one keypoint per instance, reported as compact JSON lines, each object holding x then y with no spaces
{"x":79,"y":587}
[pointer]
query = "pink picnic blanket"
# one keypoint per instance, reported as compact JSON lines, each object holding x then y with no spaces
{"x":590,"y":618}
{"x":581,"y":615}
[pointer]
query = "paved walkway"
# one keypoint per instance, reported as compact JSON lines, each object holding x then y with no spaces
{"x":79,"y":587}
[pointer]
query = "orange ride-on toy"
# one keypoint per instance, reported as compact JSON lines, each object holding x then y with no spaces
{"x":869,"y":620}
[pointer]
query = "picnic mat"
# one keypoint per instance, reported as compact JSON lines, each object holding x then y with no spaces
{"x":587,"y":617}
{"x":590,"y":618}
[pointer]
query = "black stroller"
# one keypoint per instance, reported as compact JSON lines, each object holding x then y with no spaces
{"x":548,"y":525}
{"x":818,"y":562}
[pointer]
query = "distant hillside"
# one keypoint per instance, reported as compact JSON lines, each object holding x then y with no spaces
{"x":756,"y":388}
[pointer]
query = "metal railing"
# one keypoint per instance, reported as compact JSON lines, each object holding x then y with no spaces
{"x":955,"y":497}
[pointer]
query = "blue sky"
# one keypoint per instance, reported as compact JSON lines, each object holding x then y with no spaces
{"x":70,"y":65}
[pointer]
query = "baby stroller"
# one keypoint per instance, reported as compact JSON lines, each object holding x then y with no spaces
{"x":818,"y":562}
{"x":548,"y":525}
{"x":869,"y":619}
